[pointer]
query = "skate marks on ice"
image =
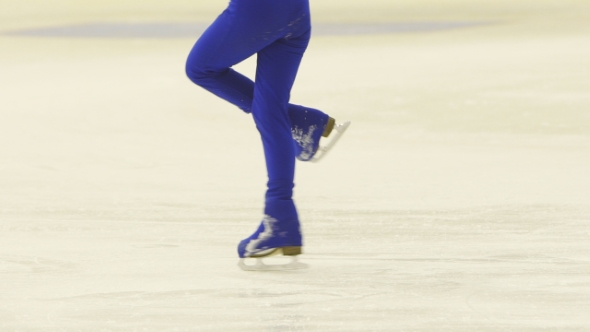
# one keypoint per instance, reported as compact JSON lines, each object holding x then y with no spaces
{"x":247,"y":309}
{"x":520,"y":267}
{"x":505,"y":265}
{"x":33,"y":264}
{"x":193,"y":30}
{"x":155,"y":245}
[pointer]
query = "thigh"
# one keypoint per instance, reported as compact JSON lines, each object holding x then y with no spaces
{"x":277,"y":67}
{"x":247,"y":27}
{"x":221,"y":45}
{"x":279,"y":62}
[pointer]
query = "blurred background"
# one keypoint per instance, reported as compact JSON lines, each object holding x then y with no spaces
{"x":458,"y":200}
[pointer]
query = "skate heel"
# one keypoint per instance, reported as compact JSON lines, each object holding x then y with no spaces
{"x":329,"y":127}
{"x":291,"y":251}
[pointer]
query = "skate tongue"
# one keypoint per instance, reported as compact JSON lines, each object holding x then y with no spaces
{"x":282,"y":263}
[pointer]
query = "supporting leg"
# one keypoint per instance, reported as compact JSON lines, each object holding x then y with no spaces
{"x":276,"y":71}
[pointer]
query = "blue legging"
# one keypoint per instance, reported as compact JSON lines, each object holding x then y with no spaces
{"x":278,"y":31}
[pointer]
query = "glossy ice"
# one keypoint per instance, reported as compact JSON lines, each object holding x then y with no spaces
{"x":459,"y":199}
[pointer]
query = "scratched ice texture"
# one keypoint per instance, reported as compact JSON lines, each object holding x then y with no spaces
{"x":458,"y":200}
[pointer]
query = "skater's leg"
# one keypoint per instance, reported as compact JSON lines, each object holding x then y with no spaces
{"x":208,"y":66}
{"x":276,"y":71}
{"x":219,"y":48}
{"x":277,"y":67}
{"x":232,"y":86}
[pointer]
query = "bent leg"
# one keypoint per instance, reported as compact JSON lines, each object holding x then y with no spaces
{"x":219,"y":48}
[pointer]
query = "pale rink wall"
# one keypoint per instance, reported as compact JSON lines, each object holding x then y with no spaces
{"x":459,"y":200}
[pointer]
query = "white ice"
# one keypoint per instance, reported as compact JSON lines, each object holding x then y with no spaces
{"x":458,"y":200}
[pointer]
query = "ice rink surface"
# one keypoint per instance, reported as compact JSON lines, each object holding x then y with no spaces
{"x":459,"y":199}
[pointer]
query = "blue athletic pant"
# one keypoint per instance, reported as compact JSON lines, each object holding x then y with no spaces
{"x":278,"y":31}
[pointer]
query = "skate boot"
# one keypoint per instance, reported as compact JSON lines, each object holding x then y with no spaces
{"x":307,"y":130}
{"x":272,"y":238}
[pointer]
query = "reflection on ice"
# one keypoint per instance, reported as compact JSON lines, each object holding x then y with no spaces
{"x":193,"y":30}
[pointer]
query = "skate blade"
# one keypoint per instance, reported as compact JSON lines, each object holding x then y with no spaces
{"x":323,"y":150}
{"x":285,"y":251}
{"x":260,"y":266}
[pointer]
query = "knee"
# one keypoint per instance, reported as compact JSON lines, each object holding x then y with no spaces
{"x":201,"y":74}
{"x":196,"y":71}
